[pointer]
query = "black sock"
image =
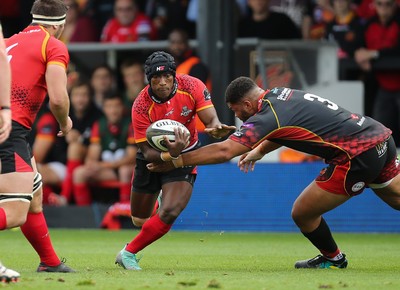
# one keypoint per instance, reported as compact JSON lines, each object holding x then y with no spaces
{"x":322,"y":239}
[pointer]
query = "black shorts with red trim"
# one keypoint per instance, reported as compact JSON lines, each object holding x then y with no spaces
{"x":375,"y":167}
{"x":15,"y":152}
{"x":146,"y":181}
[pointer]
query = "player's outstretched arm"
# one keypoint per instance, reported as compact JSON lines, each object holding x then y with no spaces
{"x":248,"y":160}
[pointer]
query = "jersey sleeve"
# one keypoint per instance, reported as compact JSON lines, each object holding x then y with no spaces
{"x":57,"y":53}
{"x":95,"y":134}
{"x":201,"y":95}
{"x":140,"y":123}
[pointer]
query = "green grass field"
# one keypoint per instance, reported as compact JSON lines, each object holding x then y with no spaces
{"x":204,"y":260}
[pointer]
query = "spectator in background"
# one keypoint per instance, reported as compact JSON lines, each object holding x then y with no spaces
{"x":266,"y":24}
{"x":79,"y":27}
{"x":102,"y":81}
{"x":100,"y":10}
{"x":318,"y":14}
{"x":84,"y":114}
{"x":128,"y":25}
{"x":187,"y":62}
{"x":50,"y":153}
{"x":134,"y":80}
{"x":295,"y":9}
{"x":382,"y":40}
{"x":168,"y":15}
{"x":345,"y":29}
{"x":111,"y":153}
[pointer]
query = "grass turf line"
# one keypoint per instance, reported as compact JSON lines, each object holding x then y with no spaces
{"x":204,"y":260}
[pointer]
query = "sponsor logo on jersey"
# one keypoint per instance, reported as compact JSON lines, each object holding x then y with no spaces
{"x":206,"y":94}
{"x":238,"y":134}
{"x":362,"y":120}
{"x":381,"y":149}
{"x":358,"y":186}
{"x":283,"y":96}
{"x":169,"y":113}
{"x":185,"y":111}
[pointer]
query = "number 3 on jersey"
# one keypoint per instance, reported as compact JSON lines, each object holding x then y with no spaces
{"x":329,"y":104}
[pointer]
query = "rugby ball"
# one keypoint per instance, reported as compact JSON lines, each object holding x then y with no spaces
{"x":160,"y":128}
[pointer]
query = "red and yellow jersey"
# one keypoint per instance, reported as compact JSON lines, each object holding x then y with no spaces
{"x":191,"y":97}
{"x":29,"y":53}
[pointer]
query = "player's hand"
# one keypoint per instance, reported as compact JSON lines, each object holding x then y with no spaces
{"x":220,"y":131}
{"x":5,"y":124}
{"x":181,"y":141}
{"x":160,"y":167}
{"x":248,"y":160}
{"x":64,"y":130}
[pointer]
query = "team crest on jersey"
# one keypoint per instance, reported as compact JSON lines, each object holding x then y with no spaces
{"x":206,"y":94}
{"x":185,"y":111}
{"x":381,"y":149}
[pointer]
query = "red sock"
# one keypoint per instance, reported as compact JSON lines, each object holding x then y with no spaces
{"x":82,"y":194}
{"x":3,"y":219}
{"x":36,"y":232}
{"x":66,"y":187}
{"x":151,"y":231}
{"x":125,"y":192}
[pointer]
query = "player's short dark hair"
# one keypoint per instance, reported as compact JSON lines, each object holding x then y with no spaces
{"x":238,"y":89}
{"x":49,"y":7}
{"x":159,"y":62}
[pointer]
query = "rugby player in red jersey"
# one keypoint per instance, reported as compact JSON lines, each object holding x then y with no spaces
{"x":179,"y":98}
{"x":359,"y":151}
{"x":38,"y":63}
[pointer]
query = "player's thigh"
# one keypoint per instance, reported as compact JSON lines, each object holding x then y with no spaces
{"x":315,"y":201}
{"x":16,"y":182}
{"x":391,"y":193}
{"x":176,"y":196}
{"x":142,"y":204}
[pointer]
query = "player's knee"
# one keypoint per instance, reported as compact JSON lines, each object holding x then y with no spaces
{"x":169,"y":215}
{"x":138,"y":222}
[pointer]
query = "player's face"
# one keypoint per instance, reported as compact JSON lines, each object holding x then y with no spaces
{"x":162,"y":85}
{"x":242,"y":110}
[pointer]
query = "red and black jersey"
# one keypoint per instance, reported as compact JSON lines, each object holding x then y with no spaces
{"x":29,"y":53}
{"x":311,"y":124}
{"x":191,"y":97}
